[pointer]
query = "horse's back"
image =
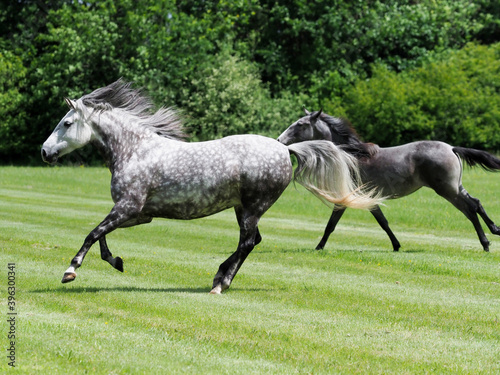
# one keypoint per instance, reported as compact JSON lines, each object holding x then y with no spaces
{"x":202,"y":178}
{"x":401,"y":170}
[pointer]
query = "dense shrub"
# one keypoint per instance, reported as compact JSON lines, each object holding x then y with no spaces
{"x":289,"y":53}
{"x":14,"y":129}
{"x":229,"y":98}
{"x":300,"y":44}
{"x":455,"y":98}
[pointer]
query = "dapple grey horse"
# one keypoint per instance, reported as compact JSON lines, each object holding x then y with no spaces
{"x":156,"y":174}
{"x":399,"y":171}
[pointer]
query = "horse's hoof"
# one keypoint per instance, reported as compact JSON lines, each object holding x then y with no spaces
{"x":216,"y":290}
{"x":119,"y":264}
{"x":68,"y":277}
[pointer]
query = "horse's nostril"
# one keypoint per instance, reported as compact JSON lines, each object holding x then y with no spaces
{"x":49,"y":157}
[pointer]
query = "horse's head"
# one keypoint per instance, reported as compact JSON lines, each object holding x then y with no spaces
{"x":72,"y":132}
{"x":308,"y":128}
{"x":319,"y":125}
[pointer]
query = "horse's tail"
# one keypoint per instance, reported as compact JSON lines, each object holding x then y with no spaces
{"x":331,"y":174}
{"x":475,"y":157}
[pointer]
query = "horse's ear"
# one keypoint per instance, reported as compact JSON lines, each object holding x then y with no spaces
{"x":316,"y":115}
{"x":306,"y":111}
{"x":71,"y":104}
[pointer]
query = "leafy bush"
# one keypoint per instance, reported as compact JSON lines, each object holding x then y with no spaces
{"x":299,"y":42}
{"x":14,"y":129}
{"x":229,"y":98}
{"x":455,"y":98}
{"x":290,"y":53}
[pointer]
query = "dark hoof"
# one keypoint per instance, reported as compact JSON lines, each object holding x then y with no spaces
{"x":119,"y":264}
{"x":319,"y":247}
{"x":486,"y":246}
{"x":68,"y":277}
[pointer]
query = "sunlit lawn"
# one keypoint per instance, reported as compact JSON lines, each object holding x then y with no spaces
{"x":355,"y":307}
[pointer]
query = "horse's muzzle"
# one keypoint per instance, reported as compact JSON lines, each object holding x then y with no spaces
{"x":282,"y":140}
{"x":48,"y":157}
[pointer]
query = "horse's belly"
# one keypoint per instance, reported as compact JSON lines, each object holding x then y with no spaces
{"x":188,"y":205}
{"x":391,"y":180}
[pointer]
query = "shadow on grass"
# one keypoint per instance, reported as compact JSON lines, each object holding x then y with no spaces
{"x":331,"y":251}
{"x":415,"y":250}
{"x":93,"y":289}
{"x":81,"y":290}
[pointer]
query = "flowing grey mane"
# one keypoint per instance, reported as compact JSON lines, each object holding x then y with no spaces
{"x":164,"y":122}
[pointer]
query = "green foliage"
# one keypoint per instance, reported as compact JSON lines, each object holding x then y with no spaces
{"x":228,"y":97}
{"x":455,"y":98}
{"x":225,"y":98}
{"x":14,"y":129}
{"x":301,"y":40}
{"x":289,"y":52}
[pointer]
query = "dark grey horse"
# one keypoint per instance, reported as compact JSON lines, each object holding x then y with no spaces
{"x":156,"y":174}
{"x":401,"y":170}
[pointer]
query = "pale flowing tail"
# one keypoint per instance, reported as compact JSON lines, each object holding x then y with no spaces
{"x":332,"y":175}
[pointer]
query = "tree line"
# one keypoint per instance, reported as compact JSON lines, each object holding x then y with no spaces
{"x":399,"y":70}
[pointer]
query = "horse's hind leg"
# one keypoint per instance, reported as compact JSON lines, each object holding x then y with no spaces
{"x":337,"y":213}
{"x":470,"y":207}
{"x":249,"y":236}
{"x":108,"y":257}
{"x":382,"y":221}
{"x":495,"y":229}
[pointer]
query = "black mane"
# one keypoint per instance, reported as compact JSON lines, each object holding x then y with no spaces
{"x":342,"y":127}
{"x":344,"y":135}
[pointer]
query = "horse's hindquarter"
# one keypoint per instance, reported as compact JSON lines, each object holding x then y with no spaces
{"x":401,"y":170}
{"x":265,"y":170}
{"x":198,"y":179}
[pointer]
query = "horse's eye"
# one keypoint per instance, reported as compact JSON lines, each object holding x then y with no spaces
{"x":67,"y":123}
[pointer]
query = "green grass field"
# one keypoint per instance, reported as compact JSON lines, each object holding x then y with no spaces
{"x":355,"y":307}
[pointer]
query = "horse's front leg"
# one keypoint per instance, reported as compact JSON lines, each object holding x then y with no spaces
{"x":120,"y":214}
{"x":108,"y":257}
{"x":106,"y":253}
{"x":337,"y":213}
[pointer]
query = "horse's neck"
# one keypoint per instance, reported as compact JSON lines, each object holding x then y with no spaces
{"x":341,"y":133}
{"x":341,"y":139}
{"x":116,"y":136}
{"x":355,"y":146}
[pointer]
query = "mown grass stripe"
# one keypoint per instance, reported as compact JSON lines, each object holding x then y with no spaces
{"x":355,"y":307}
